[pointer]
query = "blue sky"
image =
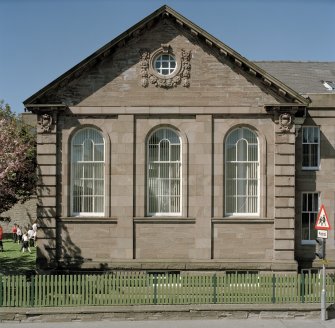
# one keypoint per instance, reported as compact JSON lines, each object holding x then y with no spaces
{"x":41,"y":39}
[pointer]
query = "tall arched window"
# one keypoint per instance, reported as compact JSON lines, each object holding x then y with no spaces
{"x":242,"y":173}
{"x":164,"y":173}
{"x":87,"y":173}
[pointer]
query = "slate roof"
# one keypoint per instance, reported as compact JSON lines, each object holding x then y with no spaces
{"x":303,"y":77}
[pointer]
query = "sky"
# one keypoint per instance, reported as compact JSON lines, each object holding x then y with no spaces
{"x":42,"y":39}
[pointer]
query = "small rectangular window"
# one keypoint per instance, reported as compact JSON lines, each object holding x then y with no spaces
{"x":310,"y":147}
{"x":309,"y":213}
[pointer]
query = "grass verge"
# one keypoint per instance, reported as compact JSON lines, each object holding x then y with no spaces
{"x":13,"y":261}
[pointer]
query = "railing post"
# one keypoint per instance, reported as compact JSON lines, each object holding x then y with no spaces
{"x":155,"y":288}
{"x":273,"y":288}
{"x":1,"y":291}
{"x":302,"y":288}
{"x":214,"y":284}
{"x":32,"y":291}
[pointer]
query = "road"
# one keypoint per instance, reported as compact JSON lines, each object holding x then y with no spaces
{"x":225,"y":323}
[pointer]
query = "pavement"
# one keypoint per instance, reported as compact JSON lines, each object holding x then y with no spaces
{"x":222,"y":323}
{"x":169,"y":316}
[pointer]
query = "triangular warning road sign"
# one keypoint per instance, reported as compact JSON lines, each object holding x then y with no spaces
{"x":322,"y":222}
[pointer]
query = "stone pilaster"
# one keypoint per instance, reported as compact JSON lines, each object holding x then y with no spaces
{"x":284,"y":193}
{"x":201,"y":193}
{"x":122,"y":184}
{"x":46,"y":189}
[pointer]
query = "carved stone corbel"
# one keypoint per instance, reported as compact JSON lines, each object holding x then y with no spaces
{"x":285,"y":122}
{"x":287,"y":116}
{"x":45,"y":122}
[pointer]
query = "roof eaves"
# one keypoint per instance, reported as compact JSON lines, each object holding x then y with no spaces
{"x":236,"y":58}
{"x":241,"y":61}
{"x":104,"y":50}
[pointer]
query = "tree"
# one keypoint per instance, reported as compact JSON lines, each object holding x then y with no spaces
{"x":18,"y":174}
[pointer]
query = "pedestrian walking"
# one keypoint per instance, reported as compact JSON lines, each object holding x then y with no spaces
{"x":31,"y":236}
{"x":19,"y":234}
{"x":14,"y":231}
{"x":25,"y":243}
{"x":34,"y":226}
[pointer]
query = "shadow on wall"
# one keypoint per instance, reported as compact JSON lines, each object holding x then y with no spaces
{"x":55,"y":247}
{"x":56,"y":250}
{"x":307,"y":182}
{"x":69,"y":254}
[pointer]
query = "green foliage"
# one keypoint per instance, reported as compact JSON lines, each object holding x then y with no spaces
{"x":18,"y":174}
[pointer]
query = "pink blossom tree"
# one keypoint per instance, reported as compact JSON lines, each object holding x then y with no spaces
{"x":17,"y":159}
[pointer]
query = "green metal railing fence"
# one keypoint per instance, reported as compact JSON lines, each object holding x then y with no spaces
{"x":131,"y":289}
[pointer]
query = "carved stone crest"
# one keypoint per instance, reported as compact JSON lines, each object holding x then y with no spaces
{"x":285,"y":121}
{"x":180,"y":76}
{"x":45,"y":122}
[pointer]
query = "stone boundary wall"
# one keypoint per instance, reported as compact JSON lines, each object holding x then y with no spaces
{"x":21,"y":214}
{"x":163,"y":312}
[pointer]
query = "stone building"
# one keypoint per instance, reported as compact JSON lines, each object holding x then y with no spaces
{"x":168,"y":150}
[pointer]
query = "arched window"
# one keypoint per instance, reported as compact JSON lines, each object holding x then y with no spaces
{"x":87,"y":173}
{"x":164,"y":173}
{"x":242,"y":173}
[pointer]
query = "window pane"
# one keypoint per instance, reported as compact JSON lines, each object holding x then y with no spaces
{"x":153,"y":153}
{"x":88,"y":170}
{"x":241,"y":204}
{"x":242,"y":176}
{"x":175,"y":187}
{"x":87,"y":176}
{"x":231,"y":170}
{"x":241,"y":170}
{"x":241,"y":187}
{"x":309,"y":212}
{"x":99,"y":204}
{"x":164,"y":168}
{"x":164,"y":151}
{"x":175,"y":153}
{"x":175,"y":170}
{"x":242,"y":153}
{"x":305,"y":155}
{"x":253,"y":152}
{"x":305,"y":226}
{"x":304,"y":202}
{"x":76,"y":153}
{"x":230,"y":153}
{"x":99,"y":187}
{"x":314,"y":155}
{"x":99,"y":153}
{"x":310,"y":147}
{"x":88,"y":150}
{"x":304,"y":135}
{"x":98,"y":171}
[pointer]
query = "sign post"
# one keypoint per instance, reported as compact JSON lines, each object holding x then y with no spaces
{"x":323,"y":293}
{"x":322,"y":225}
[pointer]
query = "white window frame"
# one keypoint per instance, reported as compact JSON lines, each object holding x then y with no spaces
{"x":314,"y":211}
{"x":82,"y":176}
{"x":309,"y":128}
{"x":257,"y":163}
{"x":159,"y":59}
{"x":148,"y":163}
